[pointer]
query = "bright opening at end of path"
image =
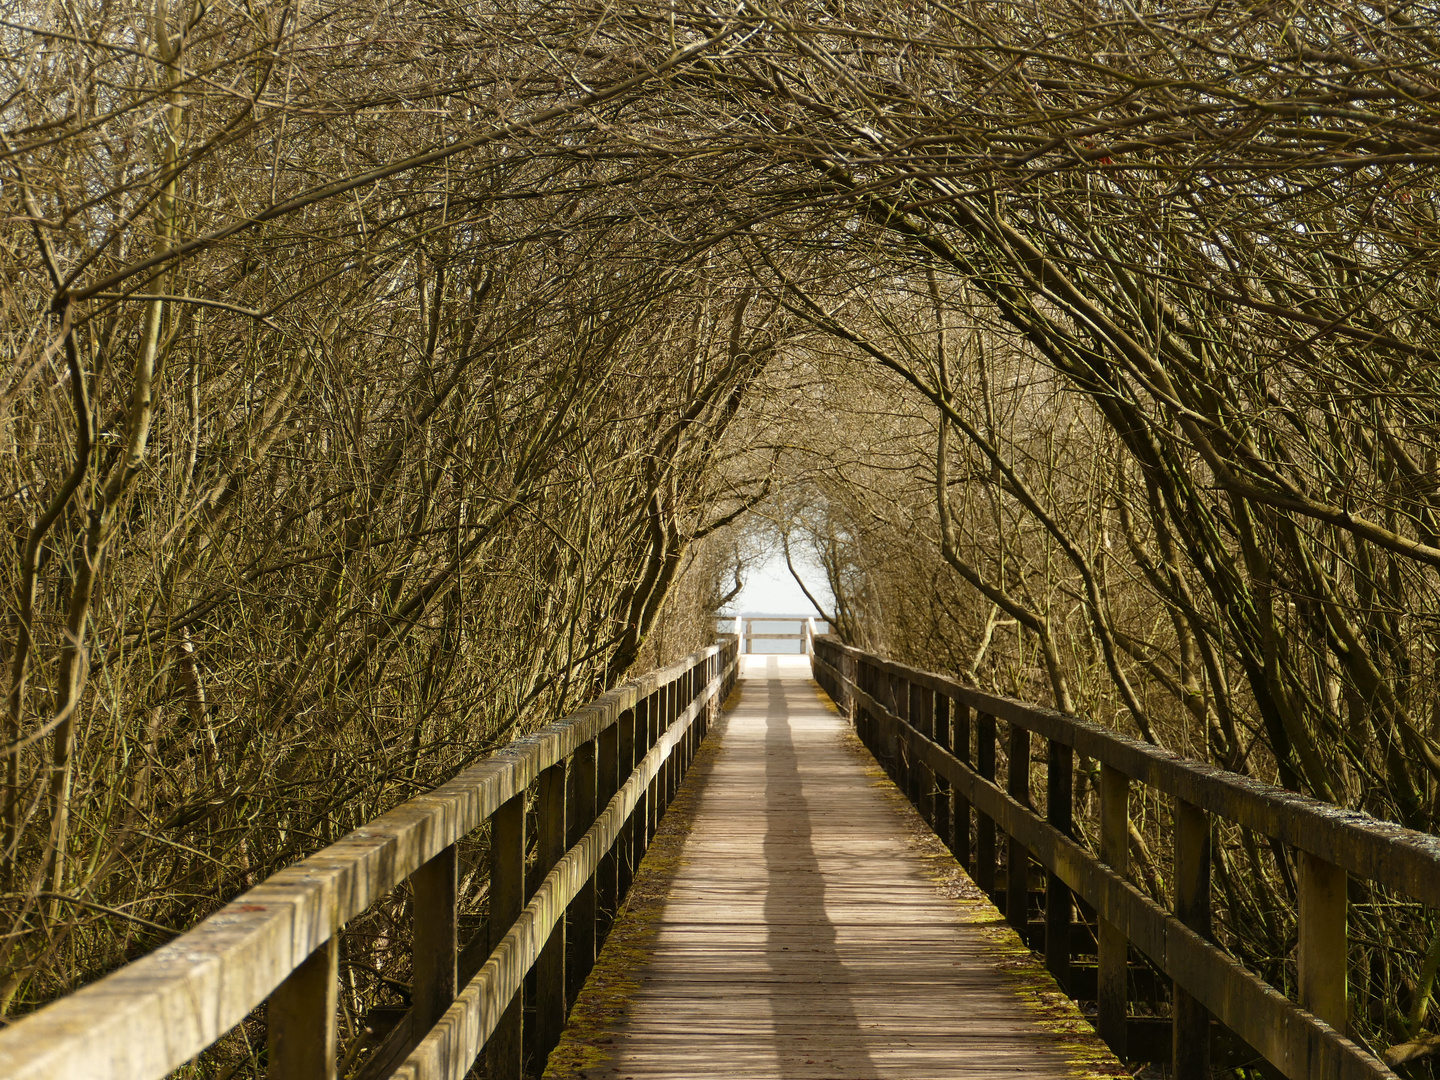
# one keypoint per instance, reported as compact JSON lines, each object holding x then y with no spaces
{"x":771,"y":589}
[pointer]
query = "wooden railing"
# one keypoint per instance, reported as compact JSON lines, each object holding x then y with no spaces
{"x":805,"y":633}
{"x":621,"y":757}
{"x":937,"y":738}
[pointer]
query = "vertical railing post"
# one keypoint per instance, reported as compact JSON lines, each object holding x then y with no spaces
{"x":686,"y":686}
{"x":607,"y":782}
{"x":654,"y":712}
{"x":985,"y":853}
{"x":435,"y":931}
{"x":672,"y":763}
{"x":636,"y":827}
{"x":300,"y":1018}
{"x":722,"y":691}
{"x":504,"y":1053}
{"x":1192,"y":907}
{"x":883,"y":728}
{"x":922,"y":781}
{"x":695,"y":686}
{"x":876,"y":738}
{"x":711,"y":707}
{"x":580,"y":915}
{"x":688,"y":695}
{"x":624,"y":845}
{"x":960,"y":740}
{"x":677,"y":752}
{"x":944,"y":823}
{"x":1111,"y":991}
{"x":1017,"y":858}
{"x":687,"y":741}
{"x":1059,"y":812}
{"x":876,"y":724}
{"x":900,"y":706}
{"x":702,"y":718}
{"x":550,"y":966}
{"x":662,"y":778}
{"x":848,"y":669}
{"x":1322,"y":952}
{"x":656,"y":717}
{"x":702,"y":680}
{"x":687,"y":698}
{"x":864,"y":725}
{"x":870,"y":680}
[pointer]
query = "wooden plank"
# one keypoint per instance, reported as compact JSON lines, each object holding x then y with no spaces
{"x":795,"y":919}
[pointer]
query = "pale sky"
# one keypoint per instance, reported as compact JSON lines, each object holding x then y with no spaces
{"x":769,"y":588}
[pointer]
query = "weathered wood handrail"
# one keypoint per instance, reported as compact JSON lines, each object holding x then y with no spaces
{"x":625,"y":753}
{"x":919,"y":724}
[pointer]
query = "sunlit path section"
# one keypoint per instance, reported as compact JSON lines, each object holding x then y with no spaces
{"x":795,"y":919}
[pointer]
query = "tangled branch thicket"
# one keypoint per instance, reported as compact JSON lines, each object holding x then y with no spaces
{"x":310,"y":514}
{"x":377,"y":369}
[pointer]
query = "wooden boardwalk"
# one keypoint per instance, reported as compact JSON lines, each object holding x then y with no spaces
{"x":795,"y":918}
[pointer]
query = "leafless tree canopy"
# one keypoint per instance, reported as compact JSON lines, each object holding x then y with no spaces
{"x":385,"y":376}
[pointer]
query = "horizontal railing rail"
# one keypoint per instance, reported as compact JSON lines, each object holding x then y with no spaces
{"x":807,"y":628}
{"x":805,"y":632}
{"x":598,"y":782}
{"x":938,"y":739}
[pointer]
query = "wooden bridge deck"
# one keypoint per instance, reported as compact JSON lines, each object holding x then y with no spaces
{"x":794,"y":918}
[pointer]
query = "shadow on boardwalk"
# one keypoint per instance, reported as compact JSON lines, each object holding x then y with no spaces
{"x":792,"y":921}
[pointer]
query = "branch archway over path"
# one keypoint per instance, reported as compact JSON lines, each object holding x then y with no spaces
{"x":380,"y":372}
